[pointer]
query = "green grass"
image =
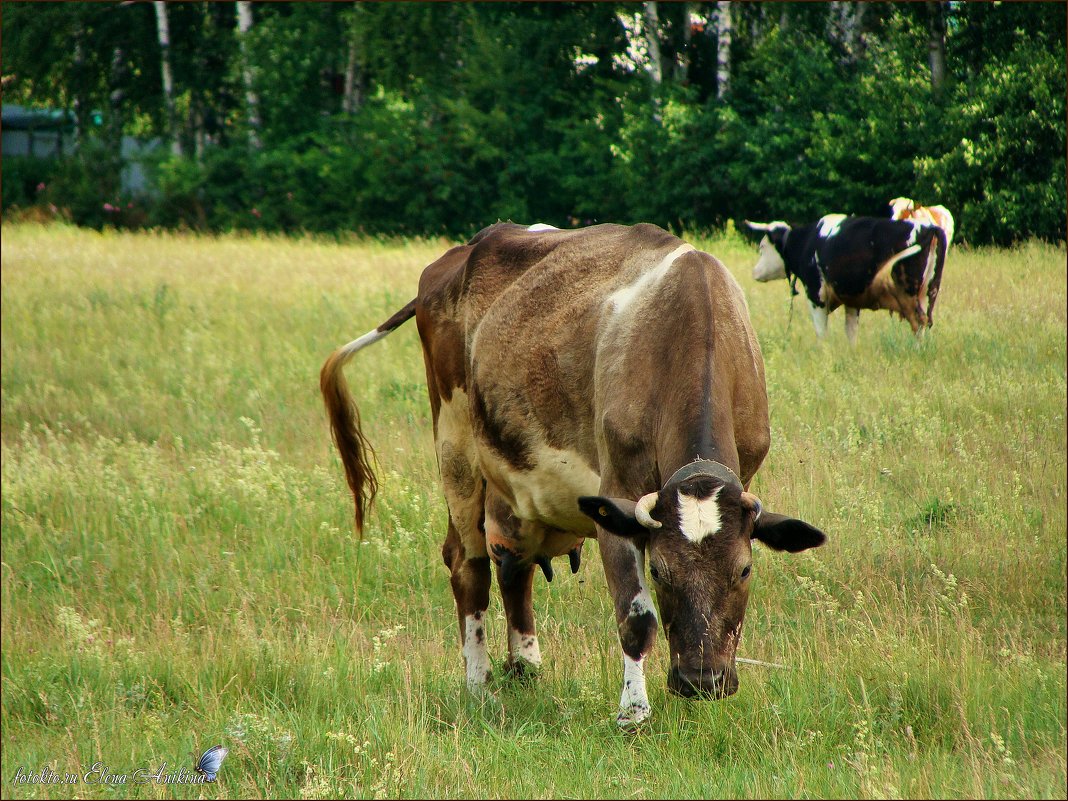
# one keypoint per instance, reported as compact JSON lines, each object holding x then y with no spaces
{"x":179,"y":567}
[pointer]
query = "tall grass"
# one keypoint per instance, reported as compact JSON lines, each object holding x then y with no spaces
{"x":179,"y":567}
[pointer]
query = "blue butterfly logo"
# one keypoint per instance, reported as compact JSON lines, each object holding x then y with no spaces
{"x":211,"y":761}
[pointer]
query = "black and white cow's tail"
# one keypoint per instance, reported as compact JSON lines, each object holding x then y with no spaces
{"x":356,"y":452}
{"x":942,"y":243}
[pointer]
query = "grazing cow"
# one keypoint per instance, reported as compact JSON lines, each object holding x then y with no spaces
{"x":903,"y":208}
{"x":859,"y":263}
{"x":599,"y":382}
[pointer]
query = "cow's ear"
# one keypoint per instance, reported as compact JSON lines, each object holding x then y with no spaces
{"x":784,"y":533}
{"x":612,"y":514}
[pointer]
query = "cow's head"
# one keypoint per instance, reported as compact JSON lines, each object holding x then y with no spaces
{"x":770,"y":265}
{"x":901,"y":208}
{"x":698,"y":533}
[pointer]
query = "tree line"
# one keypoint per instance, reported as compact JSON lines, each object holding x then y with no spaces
{"x":428,"y":118}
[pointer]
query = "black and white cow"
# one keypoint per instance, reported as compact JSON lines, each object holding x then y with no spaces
{"x":859,"y":263}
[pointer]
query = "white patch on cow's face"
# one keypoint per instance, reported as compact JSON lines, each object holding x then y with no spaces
{"x":542,"y":227}
{"x":830,"y":223}
{"x":770,"y":265}
{"x":912,"y":236}
{"x":476,"y":656}
{"x":699,"y":517}
{"x":852,"y":324}
{"x":524,"y":646}
{"x":621,"y":299}
{"x":819,"y":319}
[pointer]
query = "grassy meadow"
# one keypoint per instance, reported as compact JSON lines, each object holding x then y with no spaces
{"x":179,"y":567}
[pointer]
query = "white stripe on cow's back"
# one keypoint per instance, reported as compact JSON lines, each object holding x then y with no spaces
{"x":830,"y":223}
{"x":699,"y":517}
{"x":624,"y":297}
{"x":542,"y":227}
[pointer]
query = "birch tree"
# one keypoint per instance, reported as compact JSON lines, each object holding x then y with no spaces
{"x":936,"y":44}
{"x":723,"y":47}
{"x":652,"y":41}
{"x":164,"y":33}
{"x":252,"y":101}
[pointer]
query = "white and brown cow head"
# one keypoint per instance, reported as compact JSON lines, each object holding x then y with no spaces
{"x":698,"y":533}
{"x":770,"y":266}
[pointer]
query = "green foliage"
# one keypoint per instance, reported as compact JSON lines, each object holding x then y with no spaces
{"x":461,"y":114}
{"x":1003,"y":140}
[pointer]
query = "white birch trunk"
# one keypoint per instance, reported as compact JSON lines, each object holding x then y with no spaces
{"x":252,"y":101}
{"x":936,"y":43}
{"x":164,"y":32}
{"x":723,"y":47}
{"x":652,"y":42}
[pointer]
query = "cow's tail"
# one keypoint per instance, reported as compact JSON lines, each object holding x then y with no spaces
{"x":356,"y":452}
{"x":942,"y":243}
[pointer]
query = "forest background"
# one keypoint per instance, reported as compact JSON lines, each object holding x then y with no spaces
{"x":440,"y":118}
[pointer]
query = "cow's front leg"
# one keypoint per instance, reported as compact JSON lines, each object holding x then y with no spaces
{"x":819,"y":319}
{"x":624,"y":567}
{"x":470,"y":588}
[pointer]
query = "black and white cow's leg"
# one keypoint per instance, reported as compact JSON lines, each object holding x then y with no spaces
{"x":470,"y":566}
{"x":624,"y":567}
{"x":852,"y":324}
{"x":515,"y":576}
{"x":819,"y":319}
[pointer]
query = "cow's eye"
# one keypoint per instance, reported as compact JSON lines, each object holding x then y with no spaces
{"x":746,"y":571}
{"x":654,"y":573}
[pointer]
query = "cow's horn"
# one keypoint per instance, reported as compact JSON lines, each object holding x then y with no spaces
{"x":643,"y":507}
{"x":758,"y":226}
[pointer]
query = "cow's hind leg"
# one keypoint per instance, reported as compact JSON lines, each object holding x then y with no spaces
{"x":852,"y":323}
{"x":515,"y":575}
{"x":470,"y":587}
{"x":464,"y":550}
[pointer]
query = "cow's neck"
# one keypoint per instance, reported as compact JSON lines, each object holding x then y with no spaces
{"x":695,"y":425}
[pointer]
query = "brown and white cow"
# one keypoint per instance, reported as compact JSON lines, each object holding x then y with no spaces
{"x":903,"y":208}
{"x":859,"y":263}
{"x":601,"y":382}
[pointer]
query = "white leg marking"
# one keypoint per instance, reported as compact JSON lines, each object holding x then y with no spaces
{"x":524,"y":646}
{"x":476,"y":656}
{"x":634,"y":702}
{"x":819,"y":319}
{"x":852,"y":323}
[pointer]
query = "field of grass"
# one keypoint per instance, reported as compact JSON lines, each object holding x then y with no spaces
{"x":179,"y":567}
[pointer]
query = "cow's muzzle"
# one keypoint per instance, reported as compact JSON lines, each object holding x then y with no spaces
{"x":703,"y":683}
